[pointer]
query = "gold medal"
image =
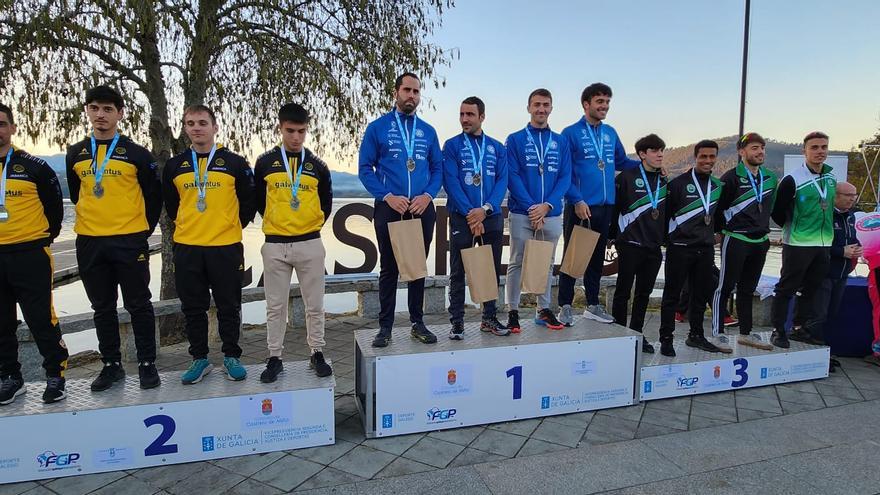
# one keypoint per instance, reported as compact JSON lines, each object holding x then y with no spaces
{"x":477,"y":179}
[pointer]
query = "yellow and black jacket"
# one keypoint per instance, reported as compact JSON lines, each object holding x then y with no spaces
{"x":229,"y":198}
{"x":280,"y":222}
{"x":34,"y":202}
{"x":132,"y":200}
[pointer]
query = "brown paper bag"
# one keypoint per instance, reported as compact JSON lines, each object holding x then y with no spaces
{"x":479,"y":268}
{"x":409,"y":249}
{"x":537,"y":259}
{"x":580,"y":249}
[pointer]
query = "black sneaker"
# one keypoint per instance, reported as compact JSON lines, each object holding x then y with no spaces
{"x":421,"y":333}
{"x":700,"y":342}
{"x":546,"y":318}
{"x":666,"y":348}
{"x":148,"y":375}
{"x":799,"y":335}
{"x":111,"y":374}
{"x":493,"y":326}
{"x":10,"y":388}
{"x":513,"y":321}
{"x":54,"y":390}
{"x":779,"y":339}
{"x":317,"y":363}
{"x":457,"y":331}
{"x":647,"y":348}
{"x":382,"y":338}
{"x":273,"y":368}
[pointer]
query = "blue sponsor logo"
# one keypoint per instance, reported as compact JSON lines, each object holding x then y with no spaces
{"x":649,"y":386}
{"x":545,"y":402}
{"x":437,"y":415}
{"x":387,"y":421}
{"x":51,"y":460}
{"x":207,"y":444}
{"x":763,"y":373}
{"x":687,"y":382}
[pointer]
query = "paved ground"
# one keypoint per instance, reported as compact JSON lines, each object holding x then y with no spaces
{"x":817,"y":435}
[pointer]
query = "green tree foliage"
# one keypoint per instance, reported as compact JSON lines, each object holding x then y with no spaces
{"x":857,"y":173}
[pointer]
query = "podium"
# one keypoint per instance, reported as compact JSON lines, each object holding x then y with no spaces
{"x":411,"y":387}
{"x":129,"y":428}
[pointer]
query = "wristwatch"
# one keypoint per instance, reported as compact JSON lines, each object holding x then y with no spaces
{"x":487,"y":208}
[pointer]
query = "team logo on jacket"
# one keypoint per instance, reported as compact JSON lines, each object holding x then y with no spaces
{"x":120,"y":151}
{"x":83,"y":151}
{"x":18,"y":168}
{"x":490,"y":148}
{"x":469,"y":179}
{"x":829,"y":181}
{"x":640,"y":183}
{"x":420,"y":133}
{"x":743,"y":180}
{"x":606,"y":138}
{"x":276,"y":164}
{"x":309,"y":166}
{"x":691,"y":189}
{"x":554,"y":145}
{"x":220,"y":162}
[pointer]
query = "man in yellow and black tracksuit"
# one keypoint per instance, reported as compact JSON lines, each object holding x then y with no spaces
{"x":115,"y":186}
{"x":294,"y":200}
{"x":30,"y":218}
{"x":209,"y":205}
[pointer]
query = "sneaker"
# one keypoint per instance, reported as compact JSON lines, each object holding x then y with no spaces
{"x":110,"y":374}
{"x":234,"y":370}
{"x":680,"y":317}
{"x":872,"y":359}
{"x":799,"y":335}
{"x":421,"y":333}
{"x":721,"y":343}
{"x":565,"y":316}
{"x":148,"y":375}
{"x":10,"y":388}
{"x":273,"y":368}
{"x":597,"y":312}
{"x":382,"y":338}
{"x":457,"y":331}
{"x":317,"y":363}
{"x":700,"y":342}
{"x":546,"y":318}
{"x":779,"y":339}
{"x":666,"y":348}
{"x":493,"y":326}
{"x":54,"y":390}
{"x":513,"y":321}
{"x":730,"y":321}
{"x":647,"y":348}
{"x":754,"y":340}
{"x":197,"y":370}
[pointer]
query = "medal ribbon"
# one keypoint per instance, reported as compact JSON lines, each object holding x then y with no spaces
{"x":5,"y":174}
{"x":99,"y":171}
{"x":708,"y":196}
{"x":600,"y":150}
{"x":202,"y":182}
{"x":542,"y":155}
{"x":654,"y":197}
{"x":478,"y":163}
{"x":757,"y":189}
{"x":823,"y":193}
{"x":409,"y":140}
{"x":294,"y":184}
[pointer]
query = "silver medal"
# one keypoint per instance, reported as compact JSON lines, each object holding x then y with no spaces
{"x":98,"y":190}
{"x":4,"y":214}
{"x":540,"y":169}
{"x":294,"y":203}
{"x":201,"y":205}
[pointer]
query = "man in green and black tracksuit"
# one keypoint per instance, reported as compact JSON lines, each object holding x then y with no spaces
{"x":30,"y":218}
{"x":745,"y":206}
{"x":637,"y":230}
{"x":690,"y":210}
{"x":805,"y":209}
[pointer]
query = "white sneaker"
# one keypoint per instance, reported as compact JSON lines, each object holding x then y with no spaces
{"x":565,"y":316}
{"x":754,"y":340}
{"x":597,"y":312}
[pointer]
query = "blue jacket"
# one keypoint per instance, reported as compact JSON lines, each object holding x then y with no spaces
{"x":844,"y":235}
{"x":588,"y":183}
{"x":458,"y":174}
{"x":527,"y":186}
{"x":382,"y":163}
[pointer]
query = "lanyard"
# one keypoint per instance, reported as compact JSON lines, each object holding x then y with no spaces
{"x":202,"y":183}
{"x":409,"y":140}
{"x":5,"y":174}
{"x":542,"y":155}
{"x":294,"y":184}
{"x":654,"y":197}
{"x":823,"y":192}
{"x":600,"y":150}
{"x":478,"y":163}
{"x":99,"y":171}
{"x":703,"y":198}
{"x":759,"y":189}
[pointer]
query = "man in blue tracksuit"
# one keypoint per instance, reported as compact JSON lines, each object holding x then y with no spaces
{"x":401,"y":165}
{"x":539,"y":174}
{"x":596,"y":153}
{"x":475,"y":179}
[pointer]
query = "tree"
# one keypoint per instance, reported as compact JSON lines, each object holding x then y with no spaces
{"x":245,"y":57}
{"x":857,"y":173}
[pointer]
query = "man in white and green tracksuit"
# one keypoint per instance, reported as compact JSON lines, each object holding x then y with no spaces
{"x":804,"y":208}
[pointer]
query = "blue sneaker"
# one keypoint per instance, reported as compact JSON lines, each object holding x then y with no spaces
{"x":234,"y":370}
{"x":197,"y":370}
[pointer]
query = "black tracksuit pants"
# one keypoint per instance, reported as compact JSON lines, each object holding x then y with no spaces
{"x":639,"y":264}
{"x":741,"y":266}
{"x":26,"y":279}
{"x":200,"y":273}
{"x":600,"y":221}
{"x":106,"y":265}
{"x":685,"y":263}
{"x":803,"y":269}
{"x":460,"y":238}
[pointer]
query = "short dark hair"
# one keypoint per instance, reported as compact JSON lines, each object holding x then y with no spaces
{"x":651,"y":141}
{"x":540,"y":92}
{"x":595,"y":89}
{"x":293,"y":112}
{"x":399,"y":81}
{"x":473,"y":100}
{"x":705,"y":143}
{"x":749,"y":138}
{"x":815,"y":135}
{"x":8,"y":111}
{"x":198,"y":108}
{"x":105,"y":94}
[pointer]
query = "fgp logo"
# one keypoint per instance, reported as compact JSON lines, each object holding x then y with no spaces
{"x":51,"y":460}
{"x":545,"y":402}
{"x":437,"y":415}
{"x":687,"y":382}
{"x":649,"y":386}
{"x":207,"y":444}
